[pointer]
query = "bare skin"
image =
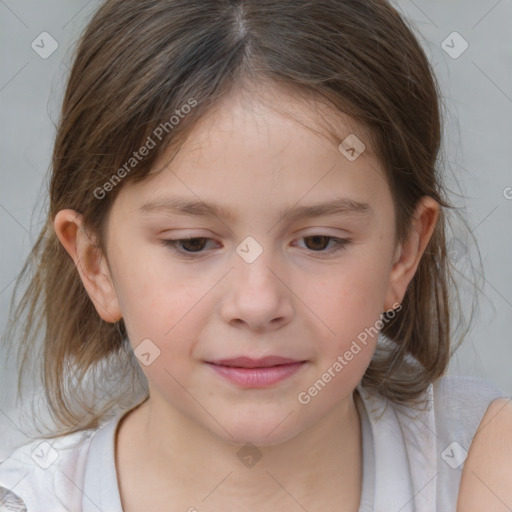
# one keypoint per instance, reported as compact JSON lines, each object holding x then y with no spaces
{"x":269,"y":485}
{"x":178,"y":451}
{"x":486,"y":482}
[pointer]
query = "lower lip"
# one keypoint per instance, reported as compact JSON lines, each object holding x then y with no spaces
{"x":257,"y":377}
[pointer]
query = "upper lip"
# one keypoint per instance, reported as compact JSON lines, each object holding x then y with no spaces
{"x":248,"y":362}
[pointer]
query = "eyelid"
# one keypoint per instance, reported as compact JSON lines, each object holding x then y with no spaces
{"x":340,"y":244}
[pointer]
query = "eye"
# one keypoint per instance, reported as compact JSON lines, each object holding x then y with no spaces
{"x":195,"y":245}
{"x":190,"y":246}
{"x":320,"y":241}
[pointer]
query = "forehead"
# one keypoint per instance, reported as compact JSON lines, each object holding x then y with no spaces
{"x":255,"y":108}
{"x":261,"y":148}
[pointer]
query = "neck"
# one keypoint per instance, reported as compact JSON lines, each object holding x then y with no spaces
{"x":320,"y":467}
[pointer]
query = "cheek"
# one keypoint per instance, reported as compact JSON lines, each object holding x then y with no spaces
{"x":168,"y":313}
{"x":349,"y":305}
{"x":353,"y":296}
{"x":160,"y":309}
{"x":156,"y":302}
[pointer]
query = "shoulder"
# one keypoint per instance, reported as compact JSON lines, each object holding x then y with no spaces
{"x":465,"y":390}
{"x":426,"y":444}
{"x":435,"y":436}
{"x":45,"y":474}
{"x":459,"y":406}
{"x":487,"y":474}
{"x":460,"y":403}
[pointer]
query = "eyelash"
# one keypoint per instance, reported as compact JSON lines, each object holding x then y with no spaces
{"x":341,"y":243}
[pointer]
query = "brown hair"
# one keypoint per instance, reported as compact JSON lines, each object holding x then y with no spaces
{"x":137,"y":64}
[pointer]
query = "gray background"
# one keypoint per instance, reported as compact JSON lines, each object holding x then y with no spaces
{"x":477,"y":91}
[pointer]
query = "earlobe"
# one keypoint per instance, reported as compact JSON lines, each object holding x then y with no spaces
{"x":90,"y":262}
{"x":409,"y":253}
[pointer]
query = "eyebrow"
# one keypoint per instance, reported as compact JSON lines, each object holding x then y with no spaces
{"x":183,"y":206}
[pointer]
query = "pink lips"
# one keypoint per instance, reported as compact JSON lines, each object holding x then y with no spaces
{"x":256,"y":373}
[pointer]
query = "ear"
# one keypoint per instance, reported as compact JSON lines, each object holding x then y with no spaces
{"x":409,"y":253}
{"x":90,"y":262}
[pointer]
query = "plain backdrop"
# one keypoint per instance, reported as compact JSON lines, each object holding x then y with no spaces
{"x":469,"y":44}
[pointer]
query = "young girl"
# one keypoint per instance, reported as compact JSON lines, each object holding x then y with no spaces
{"x":243,"y":286}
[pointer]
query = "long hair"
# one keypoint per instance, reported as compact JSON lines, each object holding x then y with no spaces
{"x":137,"y":65}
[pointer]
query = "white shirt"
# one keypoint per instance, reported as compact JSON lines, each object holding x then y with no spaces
{"x":412,"y":461}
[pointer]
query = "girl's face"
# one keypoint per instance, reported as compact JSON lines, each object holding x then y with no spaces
{"x":295,"y":257}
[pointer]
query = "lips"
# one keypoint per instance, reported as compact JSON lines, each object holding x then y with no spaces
{"x":247,"y":362}
{"x":245,"y":372}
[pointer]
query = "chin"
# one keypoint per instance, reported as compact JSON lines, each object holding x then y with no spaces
{"x":257,"y":438}
{"x":258,"y":431}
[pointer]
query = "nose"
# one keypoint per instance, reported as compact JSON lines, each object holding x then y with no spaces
{"x":257,"y":295}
